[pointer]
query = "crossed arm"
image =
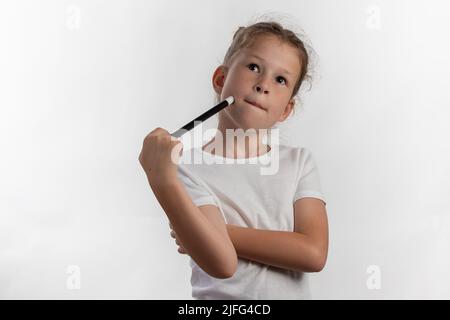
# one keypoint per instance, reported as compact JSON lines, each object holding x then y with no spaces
{"x":305,"y":249}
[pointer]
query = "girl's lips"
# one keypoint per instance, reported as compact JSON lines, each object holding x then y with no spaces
{"x":255,"y":104}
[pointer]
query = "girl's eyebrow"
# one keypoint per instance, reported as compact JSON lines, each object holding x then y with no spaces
{"x":258,"y":57}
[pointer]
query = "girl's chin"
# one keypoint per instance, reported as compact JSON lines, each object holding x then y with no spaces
{"x":246,"y":118}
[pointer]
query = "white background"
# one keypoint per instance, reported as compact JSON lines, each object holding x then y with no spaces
{"x":83,"y":82}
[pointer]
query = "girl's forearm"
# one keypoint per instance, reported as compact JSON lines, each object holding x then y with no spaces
{"x":283,"y":249}
{"x":213,"y":252}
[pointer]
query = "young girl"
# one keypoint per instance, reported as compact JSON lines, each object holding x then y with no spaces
{"x":249,"y":235}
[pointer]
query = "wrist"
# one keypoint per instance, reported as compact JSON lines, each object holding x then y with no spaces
{"x":230,"y":228}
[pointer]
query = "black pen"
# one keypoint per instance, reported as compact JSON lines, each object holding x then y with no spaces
{"x":228,"y":101}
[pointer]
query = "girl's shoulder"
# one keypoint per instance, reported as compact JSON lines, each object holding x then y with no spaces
{"x":294,"y":152}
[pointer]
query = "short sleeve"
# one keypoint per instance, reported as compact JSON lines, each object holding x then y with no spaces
{"x":195,"y":188}
{"x":308,"y":182}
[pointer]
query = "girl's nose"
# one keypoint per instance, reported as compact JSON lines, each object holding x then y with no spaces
{"x":259,"y":88}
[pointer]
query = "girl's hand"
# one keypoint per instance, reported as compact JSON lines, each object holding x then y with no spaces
{"x":160,"y":156}
{"x":181,"y":249}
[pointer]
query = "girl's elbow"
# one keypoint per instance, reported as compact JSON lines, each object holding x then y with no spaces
{"x":231,"y":267}
{"x":319,"y":261}
{"x":319,"y":266}
{"x":224,"y":272}
{"x":226,"y":269}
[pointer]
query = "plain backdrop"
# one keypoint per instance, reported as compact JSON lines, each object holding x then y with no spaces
{"x":83,"y":82}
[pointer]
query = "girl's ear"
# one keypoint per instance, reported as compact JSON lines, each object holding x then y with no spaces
{"x":218,"y":78}
{"x":287,"y":110}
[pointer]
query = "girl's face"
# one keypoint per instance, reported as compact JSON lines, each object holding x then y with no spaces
{"x":261,"y":78}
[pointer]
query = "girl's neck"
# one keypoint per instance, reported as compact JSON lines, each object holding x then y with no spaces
{"x":237,"y":144}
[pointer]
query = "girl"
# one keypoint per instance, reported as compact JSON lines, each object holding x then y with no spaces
{"x":249,"y":235}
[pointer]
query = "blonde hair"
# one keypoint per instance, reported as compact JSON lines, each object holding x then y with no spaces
{"x":244,"y":37}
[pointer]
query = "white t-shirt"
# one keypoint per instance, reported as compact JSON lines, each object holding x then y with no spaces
{"x":248,"y":197}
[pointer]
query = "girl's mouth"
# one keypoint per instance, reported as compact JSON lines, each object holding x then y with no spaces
{"x":254,"y":104}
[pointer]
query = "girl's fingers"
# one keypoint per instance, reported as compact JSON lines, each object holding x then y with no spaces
{"x":181,"y":249}
{"x":158,"y":131}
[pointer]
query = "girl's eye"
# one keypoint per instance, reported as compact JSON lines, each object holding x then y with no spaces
{"x":283,"y":79}
{"x":253,"y":64}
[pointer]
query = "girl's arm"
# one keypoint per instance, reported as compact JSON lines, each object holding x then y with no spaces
{"x":305,"y":249}
{"x":203,"y":233}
